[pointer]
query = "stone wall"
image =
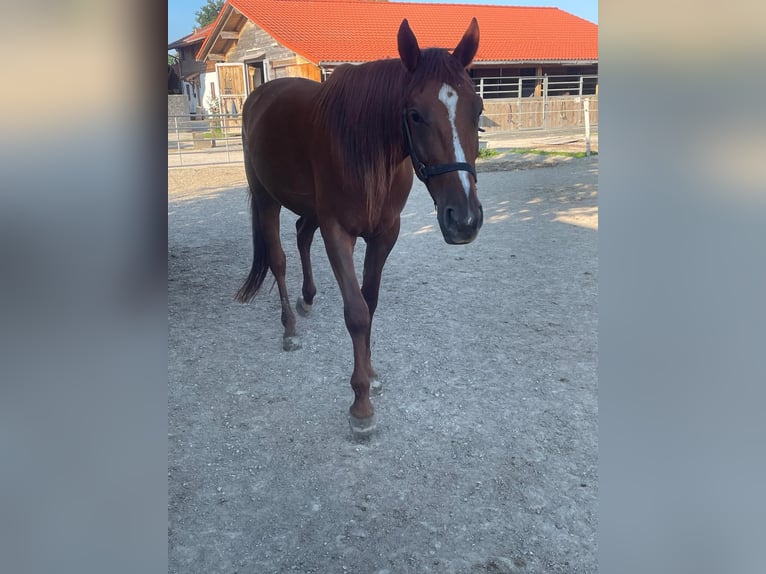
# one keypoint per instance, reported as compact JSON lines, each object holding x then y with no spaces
{"x":178,"y":105}
{"x":253,"y":38}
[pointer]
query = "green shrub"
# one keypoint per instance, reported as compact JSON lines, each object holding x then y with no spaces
{"x":487,"y":152}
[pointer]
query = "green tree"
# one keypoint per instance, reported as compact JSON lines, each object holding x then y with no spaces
{"x":208,"y":13}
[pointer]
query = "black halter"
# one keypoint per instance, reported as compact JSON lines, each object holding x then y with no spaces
{"x":424,"y":171}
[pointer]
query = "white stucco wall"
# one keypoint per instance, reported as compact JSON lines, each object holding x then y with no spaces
{"x":205,"y":79}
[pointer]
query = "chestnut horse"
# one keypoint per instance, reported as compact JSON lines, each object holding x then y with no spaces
{"x":338,"y":154}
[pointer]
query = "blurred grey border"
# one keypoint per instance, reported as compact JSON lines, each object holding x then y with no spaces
{"x":682,"y":277}
{"x":83,"y":319}
{"x":682,"y":260}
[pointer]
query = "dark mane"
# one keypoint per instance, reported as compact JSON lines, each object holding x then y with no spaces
{"x":360,"y":109}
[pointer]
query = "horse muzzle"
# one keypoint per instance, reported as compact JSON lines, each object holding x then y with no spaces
{"x":460,"y":224}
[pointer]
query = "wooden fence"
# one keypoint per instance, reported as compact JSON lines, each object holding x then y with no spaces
{"x":537,"y":113}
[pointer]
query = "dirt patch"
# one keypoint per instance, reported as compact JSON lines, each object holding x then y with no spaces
{"x":485,"y":459}
{"x":188,"y":182}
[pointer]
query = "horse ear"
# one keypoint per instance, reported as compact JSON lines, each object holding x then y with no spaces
{"x":468,"y":45}
{"x":409,"y":51}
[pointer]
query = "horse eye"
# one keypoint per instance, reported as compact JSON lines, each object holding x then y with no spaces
{"x":416,"y":117}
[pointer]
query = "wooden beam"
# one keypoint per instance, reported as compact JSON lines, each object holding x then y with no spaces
{"x":226,"y":35}
{"x":282,"y":62}
{"x":216,"y":57}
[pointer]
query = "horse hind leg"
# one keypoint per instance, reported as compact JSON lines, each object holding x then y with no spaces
{"x":306,"y":227}
{"x":278,"y":266}
{"x":268,"y":254}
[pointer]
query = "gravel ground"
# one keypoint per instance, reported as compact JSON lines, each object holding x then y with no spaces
{"x":485,"y":457}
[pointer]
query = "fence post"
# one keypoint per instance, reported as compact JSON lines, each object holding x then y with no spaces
{"x":481,"y":88}
{"x":226,"y":138}
{"x":581,"y":86}
{"x":178,"y":141}
{"x":545,"y":102}
{"x":586,"y":110}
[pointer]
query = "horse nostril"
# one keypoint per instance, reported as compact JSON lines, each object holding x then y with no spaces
{"x":449,"y":215}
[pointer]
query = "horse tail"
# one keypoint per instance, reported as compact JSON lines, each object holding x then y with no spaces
{"x":260,"y":265}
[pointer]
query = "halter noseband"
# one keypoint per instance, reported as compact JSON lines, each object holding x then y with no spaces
{"x":424,"y":171}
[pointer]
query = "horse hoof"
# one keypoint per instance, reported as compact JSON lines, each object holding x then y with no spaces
{"x":376,"y":387}
{"x":362,"y":428}
{"x":303,"y":308}
{"x":291,"y":343}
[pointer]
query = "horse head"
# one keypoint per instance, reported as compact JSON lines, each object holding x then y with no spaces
{"x":441,"y":128}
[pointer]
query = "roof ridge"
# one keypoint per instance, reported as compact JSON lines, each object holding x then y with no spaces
{"x":443,"y":3}
{"x":365,"y":30}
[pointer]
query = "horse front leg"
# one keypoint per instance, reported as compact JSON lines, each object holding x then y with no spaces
{"x":340,"y":251}
{"x":378,"y":249}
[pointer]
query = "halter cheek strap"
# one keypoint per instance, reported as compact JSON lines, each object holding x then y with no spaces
{"x":423,"y":171}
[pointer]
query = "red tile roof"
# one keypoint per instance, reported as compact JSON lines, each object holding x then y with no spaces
{"x":359,"y":31}
{"x":193,"y":38}
{"x":200,"y":34}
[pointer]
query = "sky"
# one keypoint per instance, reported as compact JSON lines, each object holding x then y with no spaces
{"x":181,"y":19}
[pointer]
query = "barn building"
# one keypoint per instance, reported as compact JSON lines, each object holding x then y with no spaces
{"x":528,"y":56}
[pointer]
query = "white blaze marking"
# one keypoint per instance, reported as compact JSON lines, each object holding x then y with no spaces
{"x":448,"y":96}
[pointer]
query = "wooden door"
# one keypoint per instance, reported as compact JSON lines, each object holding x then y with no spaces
{"x":231,"y":82}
